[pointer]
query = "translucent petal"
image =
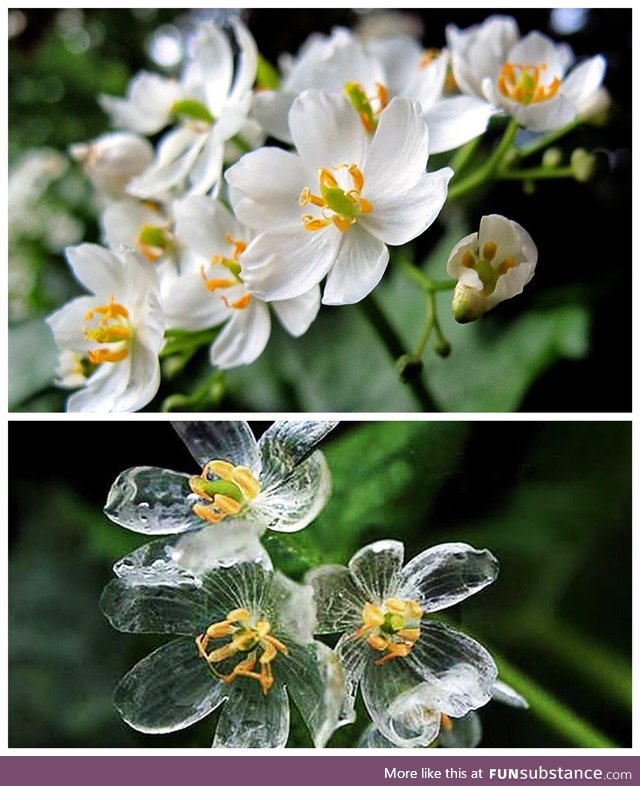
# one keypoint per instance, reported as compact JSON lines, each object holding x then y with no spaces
{"x":373,"y":739}
{"x":153,"y":501}
{"x":339,"y":603}
{"x":287,"y":443}
{"x":353,"y":654}
{"x":221,"y":545}
{"x":507,"y":695}
{"x":226,"y":440}
{"x":398,"y":704}
{"x":290,"y":607}
{"x":376,"y":569}
{"x":465,"y":732}
{"x":447,"y":574}
{"x":584,"y":80}
{"x":458,"y":663}
{"x":295,"y":502}
{"x":314,"y":679}
{"x":251,"y":720}
{"x":169,"y":690}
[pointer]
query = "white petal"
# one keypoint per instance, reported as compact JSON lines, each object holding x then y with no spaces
{"x":103,"y":390}
{"x":122,"y":221}
{"x":266,"y":188}
{"x":171,"y":167}
{"x":188,"y":304}
{"x":271,"y":109}
{"x":296,"y":314}
{"x":584,"y":80}
{"x":98,"y":269}
{"x":510,"y":284}
{"x":148,"y":104}
{"x":251,"y":720}
{"x":546,"y":115}
{"x":288,"y":261}
{"x":396,"y":219}
{"x":507,"y":695}
{"x":214,"y":60}
{"x":338,"y":601}
{"x":67,"y":323}
{"x":357,"y":269}
{"x":455,"y":121}
{"x":243,"y":338}
{"x":398,"y":155}
{"x":231,"y":542}
{"x":247,"y":66}
{"x":327,"y":130}
{"x":536,"y":49}
{"x":376,"y":569}
{"x":207,"y":169}
{"x":144,"y":377}
{"x":447,"y":574}
{"x":203,"y":223}
{"x":401,"y":56}
{"x":169,"y":690}
{"x":226,"y":440}
{"x":455,"y":268}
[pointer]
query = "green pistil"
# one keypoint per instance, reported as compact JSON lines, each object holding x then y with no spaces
{"x":154,"y":236}
{"x":360,"y":102}
{"x":191,"y":109}
{"x":392,"y":623}
{"x":213,"y":487}
{"x":339,"y":202}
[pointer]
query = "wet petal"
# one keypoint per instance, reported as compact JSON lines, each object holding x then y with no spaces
{"x":447,"y":574}
{"x":226,"y":440}
{"x":287,"y":443}
{"x":372,"y":738}
{"x":353,"y":654}
{"x":339,"y":603}
{"x":465,"y":732}
{"x":221,"y":545}
{"x":376,"y":569}
{"x":507,"y":695}
{"x":153,"y":501}
{"x":169,"y":690}
{"x":250,"y":719}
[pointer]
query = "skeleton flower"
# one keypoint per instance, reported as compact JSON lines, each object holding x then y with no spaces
{"x":118,"y":330}
{"x":491,"y":265}
{"x":210,"y":290}
{"x":527,"y":78}
{"x":210,"y":104}
{"x":412,"y":671}
{"x":332,"y":208}
{"x":245,"y":642}
{"x":244,"y":487}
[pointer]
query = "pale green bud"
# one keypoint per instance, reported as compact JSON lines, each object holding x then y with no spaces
{"x":468,"y":304}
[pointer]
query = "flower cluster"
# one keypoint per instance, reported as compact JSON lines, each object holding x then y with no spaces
{"x":245,"y":633}
{"x":208,"y":229}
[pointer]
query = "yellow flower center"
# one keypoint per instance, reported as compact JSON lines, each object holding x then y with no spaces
{"x":484,"y":267}
{"x":338,"y":207}
{"x":112,"y":327}
{"x":231,"y":264}
{"x":522,"y":83}
{"x":247,"y":635}
{"x":226,"y":494}
{"x":364,"y":105}
{"x":391,"y":628}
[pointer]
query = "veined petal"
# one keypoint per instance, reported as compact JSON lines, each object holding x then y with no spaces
{"x":447,"y":574}
{"x":314,"y":679}
{"x":222,"y":545}
{"x":326,"y":130}
{"x":243,"y":338}
{"x":286,"y":444}
{"x":455,"y":121}
{"x":584,"y":80}
{"x":286,"y":262}
{"x":353,"y":655}
{"x":67,"y":323}
{"x":464,"y":668}
{"x":399,"y":219}
{"x":271,"y":109}
{"x":98,"y":269}
{"x":397,"y":157}
{"x":169,"y":690}
{"x":250,"y":719}
{"x":297,"y":314}
{"x":169,"y":171}
{"x":226,"y":440}
{"x":546,"y":115}
{"x":465,"y":732}
{"x":103,"y":389}
{"x":357,"y":269}
{"x":266,"y":185}
{"x":376,"y":569}
{"x":296,"y":501}
{"x":372,"y":738}
{"x":153,"y":501}
{"x":144,"y":377}
{"x":339,"y":602}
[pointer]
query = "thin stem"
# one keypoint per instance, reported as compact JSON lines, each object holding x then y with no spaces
{"x":428,"y":326}
{"x":548,"y":139}
{"x":422,"y":279}
{"x":551,"y":711}
{"x":536,"y":173}
{"x":387,"y":334}
{"x":463,"y":155}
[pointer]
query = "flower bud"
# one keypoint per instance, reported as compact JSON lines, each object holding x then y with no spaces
{"x":597,"y":108}
{"x":583,"y":164}
{"x":468,"y":304}
{"x":112,"y":160}
{"x":409,"y":367}
{"x":442,"y":347}
{"x":552,"y":158}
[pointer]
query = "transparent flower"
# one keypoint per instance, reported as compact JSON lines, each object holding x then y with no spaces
{"x":412,"y":671}
{"x":331,"y":209}
{"x":245,"y":642}
{"x":279,"y":482}
{"x":119,"y":329}
{"x":528,"y":78}
{"x":210,"y":291}
{"x":464,"y":732}
{"x":209,"y":104}
{"x":491,"y":265}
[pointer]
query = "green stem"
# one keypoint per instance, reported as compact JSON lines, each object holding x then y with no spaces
{"x":241,"y":143}
{"x":422,"y":279}
{"x":387,"y":334}
{"x":536,"y":173}
{"x":551,"y":711}
{"x":428,"y":326}
{"x":547,"y":140}
{"x":463,"y":155}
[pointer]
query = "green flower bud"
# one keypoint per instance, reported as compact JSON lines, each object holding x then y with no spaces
{"x":409,"y":367}
{"x":552,"y":158}
{"x":583,"y":164}
{"x":468,"y":304}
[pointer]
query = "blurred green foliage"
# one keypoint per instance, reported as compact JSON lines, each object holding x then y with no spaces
{"x":552,"y":501}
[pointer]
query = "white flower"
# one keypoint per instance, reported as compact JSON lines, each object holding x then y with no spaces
{"x":119,"y":329}
{"x":492,"y":265}
{"x":112,"y":160}
{"x":245,"y":641}
{"x":211,"y":102}
{"x":379,"y":69}
{"x":244,"y":487}
{"x":70,"y":371}
{"x":332,"y":208}
{"x":528,"y":77}
{"x":210,"y":290}
{"x":412,"y":671}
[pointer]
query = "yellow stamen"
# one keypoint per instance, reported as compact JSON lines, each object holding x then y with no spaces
{"x":468,"y":260}
{"x":339,"y":207}
{"x":242,"y":302}
{"x":114,"y":328}
{"x":489,"y":250}
{"x":227,"y":505}
{"x":521,"y":83}
{"x":446,"y":722}
{"x":106,"y":355}
{"x":227,"y":496}
{"x":222,"y":469}
{"x":391,"y":628}
{"x":243,"y":477}
{"x":394,"y":651}
{"x":507,"y":264}
{"x":428,"y":57}
{"x":208,"y":513}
